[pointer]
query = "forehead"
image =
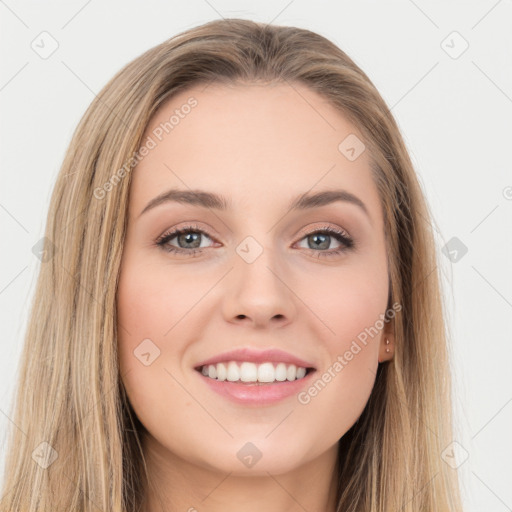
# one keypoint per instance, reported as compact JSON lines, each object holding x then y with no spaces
{"x":254,"y":143}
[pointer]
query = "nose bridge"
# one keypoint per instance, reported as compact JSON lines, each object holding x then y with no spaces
{"x":257,"y":287}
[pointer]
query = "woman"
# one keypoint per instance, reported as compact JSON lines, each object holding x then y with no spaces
{"x":293,"y":357}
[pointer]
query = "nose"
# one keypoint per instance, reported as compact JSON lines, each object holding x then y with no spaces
{"x":259,"y":294}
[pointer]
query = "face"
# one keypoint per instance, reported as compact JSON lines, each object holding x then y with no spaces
{"x":204,"y":275}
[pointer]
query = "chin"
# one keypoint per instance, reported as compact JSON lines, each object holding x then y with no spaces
{"x":253,"y":459}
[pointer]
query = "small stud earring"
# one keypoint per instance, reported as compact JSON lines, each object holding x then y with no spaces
{"x":387,"y":349}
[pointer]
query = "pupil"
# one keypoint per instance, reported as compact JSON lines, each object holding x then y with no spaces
{"x":323,"y":244}
{"x":190,"y":238}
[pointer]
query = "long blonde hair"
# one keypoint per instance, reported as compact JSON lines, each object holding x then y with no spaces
{"x":76,"y":441}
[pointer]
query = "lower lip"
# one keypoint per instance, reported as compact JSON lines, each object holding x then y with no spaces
{"x":257,"y":394}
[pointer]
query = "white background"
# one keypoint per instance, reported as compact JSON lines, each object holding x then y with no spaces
{"x":454,"y":114}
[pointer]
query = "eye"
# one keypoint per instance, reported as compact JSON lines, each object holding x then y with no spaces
{"x":188,"y":238}
{"x":188,"y":241}
{"x":322,"y":238}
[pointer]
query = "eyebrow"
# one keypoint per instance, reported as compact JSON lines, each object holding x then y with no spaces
{"x":217,"y":202}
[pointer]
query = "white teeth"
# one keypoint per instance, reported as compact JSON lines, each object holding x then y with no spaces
{"x":266,"y":372}
{"x":252,"y":372}
{"x":233,"y":373}
{"x":222,"y":371}
{"x":248,"y":372}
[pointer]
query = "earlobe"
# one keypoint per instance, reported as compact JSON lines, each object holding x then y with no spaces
{"x":387,"y":343}
{"x":386,"y":349}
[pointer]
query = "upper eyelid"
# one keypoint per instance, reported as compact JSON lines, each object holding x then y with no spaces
{"x":172,"y":233}
{"x":205,"y":231}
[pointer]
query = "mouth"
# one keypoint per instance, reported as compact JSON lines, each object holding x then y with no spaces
{"x":250,"y":384}
{"x":254,"y":374}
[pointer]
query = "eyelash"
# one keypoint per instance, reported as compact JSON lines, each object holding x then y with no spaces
{"x":340,"y":236}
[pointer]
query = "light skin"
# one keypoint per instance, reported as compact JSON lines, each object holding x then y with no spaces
{"x":260,"y":146}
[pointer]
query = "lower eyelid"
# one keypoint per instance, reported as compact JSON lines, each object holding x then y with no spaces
{"x":345,"y":241}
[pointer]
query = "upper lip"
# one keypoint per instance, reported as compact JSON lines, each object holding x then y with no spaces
{"x":256,"y":356}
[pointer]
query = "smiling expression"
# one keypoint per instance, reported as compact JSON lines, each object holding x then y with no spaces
{"x":249,"y":229}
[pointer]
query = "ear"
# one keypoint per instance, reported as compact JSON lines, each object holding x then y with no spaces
{"x":387,"y":342}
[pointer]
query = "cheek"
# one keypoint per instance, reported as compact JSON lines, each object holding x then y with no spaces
{"x":141,"y":321}
{"x":350,"y":305}
{"x":358,"y":324}
{"x":136,"y":308}
{"x":343,"y":385}
{"x":148,"y":305}
{"x":145,"y":313}
{"x":153,"y":297}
